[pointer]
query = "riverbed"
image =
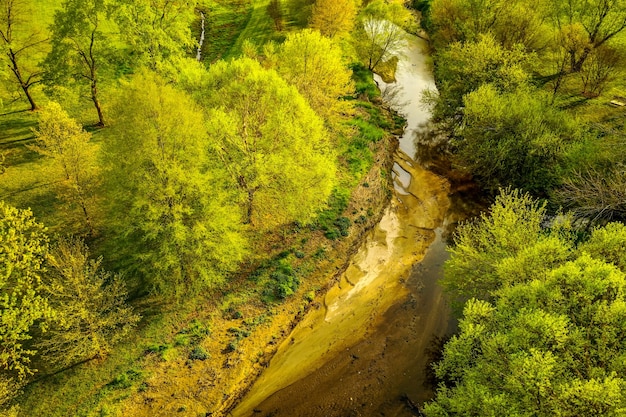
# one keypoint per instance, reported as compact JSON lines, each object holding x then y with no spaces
{"x":365,"y":351}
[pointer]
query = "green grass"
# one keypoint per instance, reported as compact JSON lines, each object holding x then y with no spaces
{"x":258,"y":31}
{"x":225,"y":19}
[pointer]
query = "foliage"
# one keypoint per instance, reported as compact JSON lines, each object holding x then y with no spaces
{"x":378,"y":40}
{"x":548,"y":341}
{"x":464,"y":67}
{"x":607,"y":243}
{"x":18,"y":46}
{"x":511,"y":22}
{"x":23,"y":247}
{"x":334,"y":17}
{"x":273,"y":145}
{"x":170,"y":204}
{"x":314,"y":65}
{"x":481,"y":245}
{"x":64,"y":140}
{"x":91,"y":313}
{"x":514,"y":138}
{"x":81,"y":48}
{"x":156,"y":32}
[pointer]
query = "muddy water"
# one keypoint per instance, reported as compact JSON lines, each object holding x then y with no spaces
{"x":363,"y":352}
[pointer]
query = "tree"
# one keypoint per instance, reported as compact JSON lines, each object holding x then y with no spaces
{"x":549,"y":339}
{"x":80,"y":47}
{"x":595,"y":195}
{"x":19,"y":47}
{"x":274,"y":9}
{"x":273,"y":145}
{"x":514,"y":138}
{"x":314,"y":65}
{"x":601,"y":66}
{"x":23,"y":247}
{"x":512,"y":224}
{"x":171,"y":206}
{"x":156,"y":32}
{"x":600,"y":21}
{"x":64,"y":140}
{"x":464,"y":67}
{"x":510,"y":22}
{"x":334,"y":17}
{"x":91,"y":313}
{"x":378,"y":40}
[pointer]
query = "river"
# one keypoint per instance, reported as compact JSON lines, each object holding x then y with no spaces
{"x":365,"y":352}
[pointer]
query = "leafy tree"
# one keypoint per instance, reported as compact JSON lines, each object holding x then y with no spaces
{"x":170,"y":207}
{"x":514,"y":138}
{"x":380,"y":34}
{"x":273,"y":145}
{"x":23,"y":247}
{"x":549,"y":341}
{"x":599,"y":21}
{"x":334,"y":17}
{"x":157,"y":32}
{"x":274,"y":9}
{"x":18,"y":46}
{"x":479,"y":246}
{"x":314,"y":64}
{"x":64,"y":140}
{"x":81,"y":47}
{"x":91,"y":313}
{"x":510,"y":22}
{"x":607,"y":243}
{"x":463,"y":67}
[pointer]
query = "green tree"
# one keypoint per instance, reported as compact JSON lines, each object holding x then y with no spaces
{"x":274,"y":9}
{"x":314,"y":65}
{"x":510,"y":22}
{"x":549,"y":339}
{"x":334,"y":17}
{"x":513,"y":222}
{"x":18,"y":47}
{"x":23,"y":247}
{"x":157,"y":32}
{"x":463,"y":67}
{"x":514,"y":138}
{"x":81,"y":47}
{"x":378,"y":40}
{"x":64,"y":140}
{"x":271,"y":142}
{"x":599,"y":21}
{"x":91,"y":313}
{"x":171,"y":208}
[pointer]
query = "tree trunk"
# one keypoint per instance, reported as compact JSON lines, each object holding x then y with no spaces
{"x":25,"y":85}
{"x":96,"y":103}
{"x":33,"y":105}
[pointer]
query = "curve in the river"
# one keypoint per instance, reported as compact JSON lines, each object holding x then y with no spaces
{"x":364,"y":352}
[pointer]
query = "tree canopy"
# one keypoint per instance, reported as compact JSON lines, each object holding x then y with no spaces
{"x":271,"y":142}
{"x":547,"y":336}
{"x":167,"y":195}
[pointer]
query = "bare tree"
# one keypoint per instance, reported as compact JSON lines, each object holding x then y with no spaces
{"x":594,"y":195}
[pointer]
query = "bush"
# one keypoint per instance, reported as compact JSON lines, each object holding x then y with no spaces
{"x":199,"y":354}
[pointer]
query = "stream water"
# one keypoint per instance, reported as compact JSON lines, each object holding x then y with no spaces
{"x":365,"y":353}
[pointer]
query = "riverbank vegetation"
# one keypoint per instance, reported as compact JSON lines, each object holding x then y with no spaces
{"x":531,"y":96}
{"x":534,"y":102}
{"x":163,"y":215}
